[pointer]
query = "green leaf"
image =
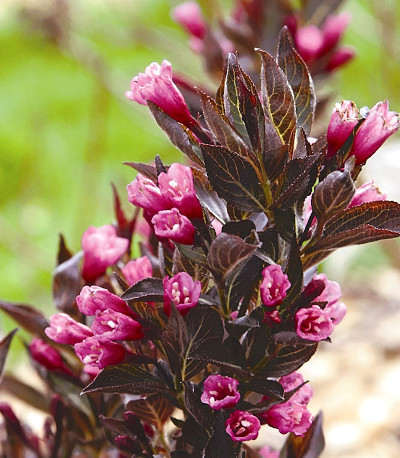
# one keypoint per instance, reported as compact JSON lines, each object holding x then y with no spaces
{"x":154,"y":409}
{"x":4,"y":347}
{"x":233,"y":178}
{"x":299,"y":79}
{"x":278,"y":99}
{"x":226,"y":252}
{"x":125,"y":378}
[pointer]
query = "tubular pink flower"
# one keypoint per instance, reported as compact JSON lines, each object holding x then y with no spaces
{"x":290,"y":417}
{"x":333,"y":29}
{"x":182,"y":291}
{"x":47,"y":356}
{"x":189,"y":16}
{"x":340,"y":57}
{"x":274,"y":285}
{"x":313,"y":323}
{"x":309,"y":42}
{"x":344,"y":118}
{"x":368,"y":192}
{"x":93,"y":300}
{"x":94,"y":353}
{"x":111,"y":325}
{"x":379,"y":125}
{"x":65,"y":330}
{"x":101,"y":248}
{"x":145,"y":194}
{"x":220,"y":392}
{"x":137,"y":270}
{"x":172,"y":225}
{"x":331,"y":293}
{"x":242,"y":426}
{"x":336,"y":311}
{"x":177,"y":188}
{"x":291,"y":381}
{"x":156,"y":85}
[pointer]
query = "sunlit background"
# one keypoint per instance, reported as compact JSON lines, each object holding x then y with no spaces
{"x":66,"y":128}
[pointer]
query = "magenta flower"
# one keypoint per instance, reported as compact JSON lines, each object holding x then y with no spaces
{"x":65,"y":330}
{"x":156,"y":85}
{"x":291,"y":381}
{"x":220,"y":392}
{"x":339,"y":58}
{"x":336,"y":311}
{"x":344,"y":118}
{"x":379,"y":125}
{"x":242,"y":426}
{"x":111,"y":325}
{"x":93,"y":300}
{"x":331,"y":293}
{"x":368,"y":192}
{"x":274,"y":285}
{"x":313,"y":323}
{"x":309,"y":42}
{"x":272,"y":317}
{"x":190,"y":17}
{"x":177,"y":187}
{"x":101,"y":248}
{"x":289,"y":417}
{"x":137,"y":270}
{"x":266,"y":452}
{"x":172,"y":225}
{"x":143,"y":193}
{"x":333,"y":29}
{"x":182,"y":291}
{"x":98,"y":354}
{"x":47,"y":356}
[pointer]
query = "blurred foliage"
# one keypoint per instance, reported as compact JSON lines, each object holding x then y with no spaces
{"x":66,"y":126}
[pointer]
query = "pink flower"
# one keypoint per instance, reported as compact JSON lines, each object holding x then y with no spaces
{"x":172,"y":225}
{"x":289,"y":417}
{"x":137,"y":270}
{"x":368,"y":192}
{"x":182,"y":291}
{"x":242,"y":426}
{"x":291,"y":381}
{"x":177,"y":188}
{"x":272,"y":317}
{"x":47,"y":356}
{"x":331,"y":293}
{"x":344,"y":118}
{"x":379,"y":125}
{"x":94,"y":353}
{"x":101,"y":248}
{"x":156,"y":85}
{"x":313,"y":323}
{"x":217,"y":225}
{"x":336,"y":311}
{"x":309,"y":42}
{"x":111,"y":325}
{"x":190,"y":17}
{"x":143,"y":193}
{"x":339,"y":58}
{"x":333,"y":29}
{"x":65,"y":330}
{"x":274,"y":285}
{"x":220,"y":392}
{"x":93,"y":300}
{"x":266,"y":452}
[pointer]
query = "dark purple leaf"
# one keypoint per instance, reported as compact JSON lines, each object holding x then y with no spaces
{"x":154,"y":409}
{"x":149,"y":289}
{"x":67,"y":283}
{"x":234,"y":178}
{"x":63,"y":252}
{"x":26,"y":316}
{"x":25,"y":393}
{"x":149,"y":171}
{"x":270,"y":388}
{"x":275,"y":161}
{"x":4,"y":347}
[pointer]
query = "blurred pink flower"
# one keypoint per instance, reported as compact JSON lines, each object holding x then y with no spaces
{"x":368,"y":192}
{"x":190,"y":17}
{"x":137,"y":270}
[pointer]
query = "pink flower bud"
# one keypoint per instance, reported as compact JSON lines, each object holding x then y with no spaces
{"x":65,"y":330}
{"x":272,"y":317}
{"x":291,"y":381}
{"x":331,"y":293}
{"x":47,"y":356}
{"x":172,"y":225}
{"x":182,"y":291}
{"x":93,"y":300}
{"x":336,"y":311}
{"x":343,"y":120}
{"x":339,"y":58}
{"x":177,"y":187}
{"x":143,"y":193}
{"x":379,"y":125}
{"x":92,"y":352}
{"x":313,"y":323}
{"x":289,"y":417}
{"x":368,"y":192}
{"x":274,"y":285}
{"x":242,"y":426}
{"x":190,"y":17}
{"x":137,"y":270}
{"x":111,"y":325}
{"x":101,"y":248}
{"x":217,"y":225}
{"x":309,"y":42}
{"x":156,"y":85}
{"x":333,"y":29}
{"x":220,"y":392}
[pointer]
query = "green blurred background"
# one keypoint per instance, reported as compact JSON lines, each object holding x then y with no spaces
{"x":66,"y":127}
